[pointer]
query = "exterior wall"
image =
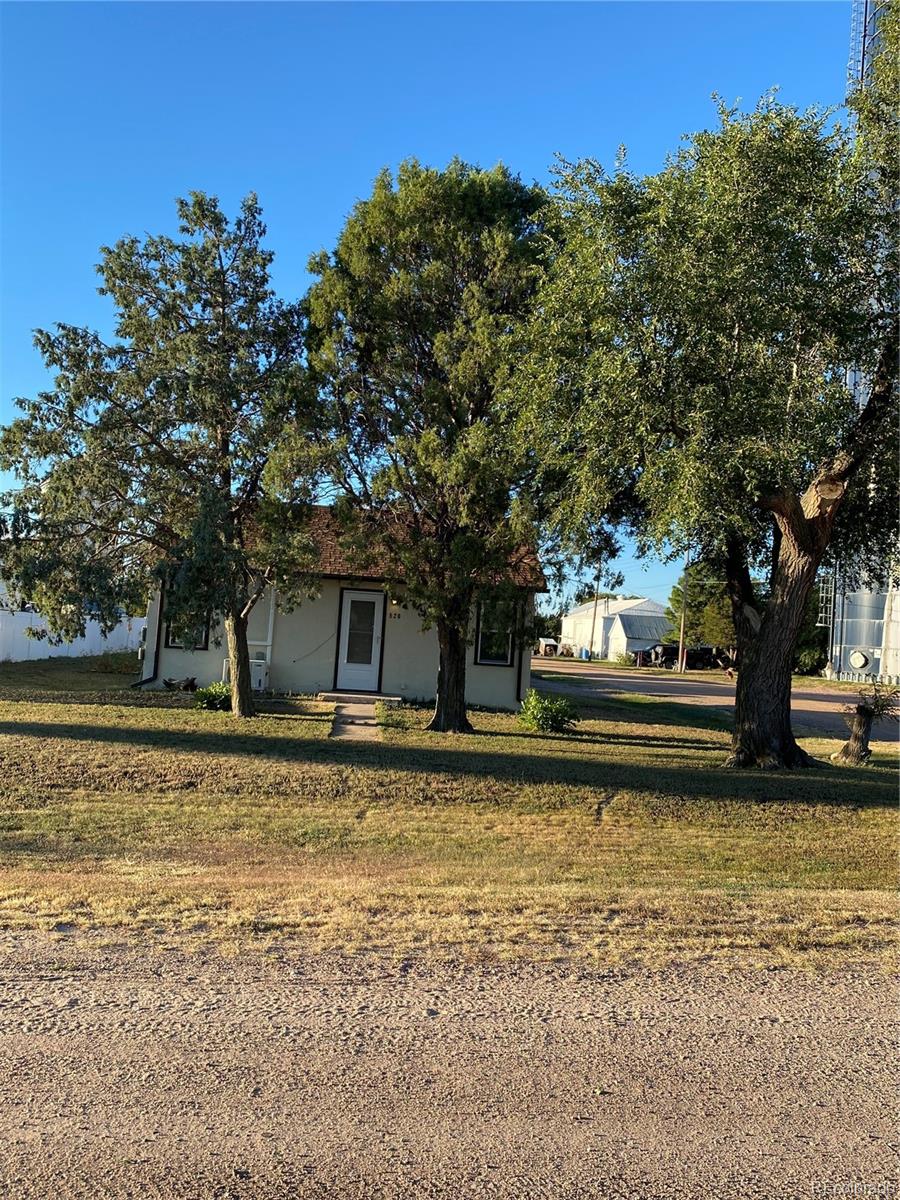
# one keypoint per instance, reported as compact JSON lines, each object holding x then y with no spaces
{"x":304,"y":643}
{"x":576,"y":632}
{"x":618,"y":643}
{"x":303,"y":650}
{"x":206,"y":666}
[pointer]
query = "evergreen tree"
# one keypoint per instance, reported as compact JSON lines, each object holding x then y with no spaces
{"x":146,"y":463}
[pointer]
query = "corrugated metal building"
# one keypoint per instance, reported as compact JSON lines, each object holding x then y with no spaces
{"x":637,"y":631}
{"x":590,"y":625}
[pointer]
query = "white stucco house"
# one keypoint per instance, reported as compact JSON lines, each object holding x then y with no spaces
{"x":354,"y":637}
{"x":578,"y":624}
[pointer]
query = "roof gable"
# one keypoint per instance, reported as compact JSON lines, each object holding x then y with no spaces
{"x":640,"y":604}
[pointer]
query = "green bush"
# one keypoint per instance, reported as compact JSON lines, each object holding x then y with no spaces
{"x":217,"y":697}
{"x":547,"y":714}
{"x":624,"y":660}
{"x":810,"y":660}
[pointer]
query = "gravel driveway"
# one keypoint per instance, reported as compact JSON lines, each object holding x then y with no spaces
{"x":812,"y":710}
{"x":154,"y":1072}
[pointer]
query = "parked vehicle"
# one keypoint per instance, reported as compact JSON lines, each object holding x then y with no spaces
{"x":665,"y":654}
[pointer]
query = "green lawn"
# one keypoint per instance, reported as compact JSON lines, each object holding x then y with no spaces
{"x":623,"y":841}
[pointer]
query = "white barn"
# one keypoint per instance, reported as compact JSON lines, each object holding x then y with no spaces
{"x":577,"y":625}
{"x":633,"y":631}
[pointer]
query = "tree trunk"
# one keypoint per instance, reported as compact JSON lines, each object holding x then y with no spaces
{"x":239,"y":665}
{"x":762,"y":711}
{"x":856,"y":751}
{"x":450,"y":705}
{"x":801,"y":531}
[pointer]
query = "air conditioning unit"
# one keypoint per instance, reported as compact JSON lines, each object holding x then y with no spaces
{"x":259,"y":675}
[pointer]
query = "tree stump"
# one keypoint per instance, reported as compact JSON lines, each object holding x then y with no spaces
{"x":877,"y":703}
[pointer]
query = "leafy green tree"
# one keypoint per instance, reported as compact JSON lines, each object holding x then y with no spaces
{"x":407,"y":320}
{"x":710,"y":621}
{"x":811,"y":651}
{"x":706,"y":596}
{"x":717,"y":623}
{"x":145,"y":465}
{"x":689,"y":355}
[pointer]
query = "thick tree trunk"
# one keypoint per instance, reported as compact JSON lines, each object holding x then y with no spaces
{"x":762,"y":712}
{"x":856,"y":750}
{"x":802,"y":529}
{"x":450,"y":706}
{"x":239,"y":665}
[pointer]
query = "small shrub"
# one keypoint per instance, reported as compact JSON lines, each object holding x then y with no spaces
{"x":810,"y":660}
{"x":547,"y":714}
{"x":216,"y":696}
{"x":624,"y":660}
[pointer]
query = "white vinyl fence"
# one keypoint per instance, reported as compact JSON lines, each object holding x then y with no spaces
{"x":17,"y":646}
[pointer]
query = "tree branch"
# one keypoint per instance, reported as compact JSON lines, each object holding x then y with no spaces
{"x":830,"y":483}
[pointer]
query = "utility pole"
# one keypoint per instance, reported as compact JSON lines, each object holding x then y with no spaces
{"x":594,"y":615}
{"x":682,"y":651}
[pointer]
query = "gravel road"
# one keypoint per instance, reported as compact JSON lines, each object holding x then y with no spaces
{"x":812,"y":710}
{"x":154,"y":1072}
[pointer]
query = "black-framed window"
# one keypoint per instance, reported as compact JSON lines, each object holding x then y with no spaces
{"x":172,"y":643}
{"x":494,"y":642}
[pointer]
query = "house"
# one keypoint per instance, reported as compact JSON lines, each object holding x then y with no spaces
{"x":632,"y":631}
{"x":355,"y":637}
{"x":577,"y":626}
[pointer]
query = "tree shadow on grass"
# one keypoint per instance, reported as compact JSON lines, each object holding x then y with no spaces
{"x":161,"y":700}
{"x":579,"y":738}
{"x":465,"y":758}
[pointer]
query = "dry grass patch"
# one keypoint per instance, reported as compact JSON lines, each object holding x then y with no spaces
{"x":625,"y":840}
{"x":50,"y":676}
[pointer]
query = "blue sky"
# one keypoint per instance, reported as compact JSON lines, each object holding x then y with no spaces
{"x":111,"y":110}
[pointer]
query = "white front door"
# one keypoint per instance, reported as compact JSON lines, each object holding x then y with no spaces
{"x":359,"y":649}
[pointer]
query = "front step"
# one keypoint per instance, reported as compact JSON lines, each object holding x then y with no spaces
{"x":359,"y":698}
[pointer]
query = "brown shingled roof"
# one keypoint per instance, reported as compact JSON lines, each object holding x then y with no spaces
{"x":337,"y":559}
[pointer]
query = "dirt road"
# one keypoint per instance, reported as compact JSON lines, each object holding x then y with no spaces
{"x":158,"y":1073}
{"x":813,"y":710}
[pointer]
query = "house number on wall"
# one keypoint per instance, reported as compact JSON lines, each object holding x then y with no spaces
{"x":393,"y":616}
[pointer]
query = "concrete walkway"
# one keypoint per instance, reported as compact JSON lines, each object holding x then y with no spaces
{"x":355,"y":722}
